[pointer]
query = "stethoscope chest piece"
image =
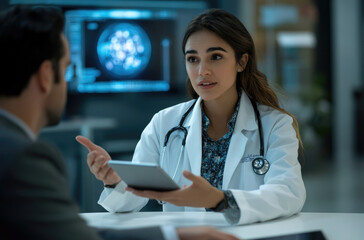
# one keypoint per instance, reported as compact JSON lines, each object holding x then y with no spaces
{"x":260,"y":165}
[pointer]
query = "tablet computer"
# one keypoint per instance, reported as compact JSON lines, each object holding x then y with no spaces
{"x":143,"y":176}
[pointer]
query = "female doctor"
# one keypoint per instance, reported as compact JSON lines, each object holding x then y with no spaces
{"x":240,"y":153}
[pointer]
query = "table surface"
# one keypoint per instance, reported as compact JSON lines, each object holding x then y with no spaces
{"x":334,"y":226}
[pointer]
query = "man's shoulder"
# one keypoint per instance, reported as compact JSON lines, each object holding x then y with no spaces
{"x":12,"y":142}
{"x":15,"y":144}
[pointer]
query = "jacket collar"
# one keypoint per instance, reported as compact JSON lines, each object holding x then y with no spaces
{"x":193,"y":142}
{"x":245,"y":122}
{"x":246,"y":117}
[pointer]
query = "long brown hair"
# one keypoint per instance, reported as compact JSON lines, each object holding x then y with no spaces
{"x":251,"y":80}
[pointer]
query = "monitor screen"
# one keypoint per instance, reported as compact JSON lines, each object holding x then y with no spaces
{"x":120,"y":50}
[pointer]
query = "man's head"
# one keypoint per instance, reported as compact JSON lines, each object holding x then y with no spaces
{"x":33,"y":48}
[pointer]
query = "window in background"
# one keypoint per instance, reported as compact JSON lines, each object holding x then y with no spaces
{"x":291,"y":52}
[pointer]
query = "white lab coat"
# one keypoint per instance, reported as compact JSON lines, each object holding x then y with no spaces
{"x":280,"y":192}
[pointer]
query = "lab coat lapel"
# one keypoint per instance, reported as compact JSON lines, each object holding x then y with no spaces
{"x":194,"y":139}
{"x":245,"y":121}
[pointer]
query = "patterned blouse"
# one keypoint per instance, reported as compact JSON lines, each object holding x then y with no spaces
{"x":214,"y":152}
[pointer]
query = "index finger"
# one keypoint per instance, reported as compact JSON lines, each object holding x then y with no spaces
{"x":87,"y":143}
{"x":190,"y":176}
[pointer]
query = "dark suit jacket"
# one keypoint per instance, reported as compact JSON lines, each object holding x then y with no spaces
{"x":35,"y":202}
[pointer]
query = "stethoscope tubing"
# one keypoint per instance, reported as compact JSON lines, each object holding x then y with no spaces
{"x":260,"y":127}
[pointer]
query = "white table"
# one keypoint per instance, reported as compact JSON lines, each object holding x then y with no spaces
{"x":335,"y":226}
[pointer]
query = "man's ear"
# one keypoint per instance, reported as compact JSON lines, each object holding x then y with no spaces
{"x":45,"y":76}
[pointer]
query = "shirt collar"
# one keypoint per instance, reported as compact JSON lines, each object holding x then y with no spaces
{"x":17,"y":121}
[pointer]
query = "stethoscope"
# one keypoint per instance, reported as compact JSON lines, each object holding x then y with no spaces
{"x":259,"y":163}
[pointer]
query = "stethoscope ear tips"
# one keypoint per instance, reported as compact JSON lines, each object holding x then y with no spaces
{"x":260,"y":165}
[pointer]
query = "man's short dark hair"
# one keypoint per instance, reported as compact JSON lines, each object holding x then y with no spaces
{"x":29,"y":35}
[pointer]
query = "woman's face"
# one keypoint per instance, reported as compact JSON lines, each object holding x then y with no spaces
{"x":211,"y":66}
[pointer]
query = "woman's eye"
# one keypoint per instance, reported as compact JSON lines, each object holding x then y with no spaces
{"x":216,"y":57}
{"x":191,"y":59}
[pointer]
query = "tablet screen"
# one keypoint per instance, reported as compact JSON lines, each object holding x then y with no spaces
{"x":143,"y":176}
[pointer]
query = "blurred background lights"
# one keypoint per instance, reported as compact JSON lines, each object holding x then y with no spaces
{"x":124,"y":49}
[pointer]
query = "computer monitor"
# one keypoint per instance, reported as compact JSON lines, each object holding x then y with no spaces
{"x":120,"y":50}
